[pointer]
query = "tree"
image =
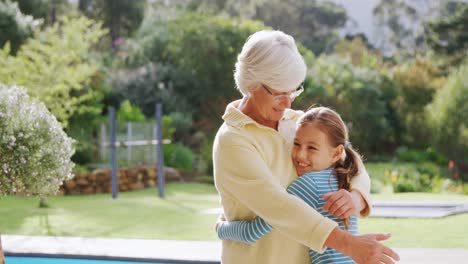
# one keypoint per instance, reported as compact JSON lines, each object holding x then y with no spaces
{"x":34,"y":151}
{"x":448,"y":114}
{"x":311,"y":22}
{"x":187,"y":63}
{"x":56,"y":65}
{"x":120,"y":17}
{"x":314,"y":23}
{"x":15,"y":27}
{"x":448,"y":34}
{"x":48,"y":10}
{"x":416,"y":83}
{"x":400,"y":24}
{"x":356,"y":93}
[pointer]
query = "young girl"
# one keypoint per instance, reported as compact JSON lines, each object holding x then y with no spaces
{"x":325,"y":162}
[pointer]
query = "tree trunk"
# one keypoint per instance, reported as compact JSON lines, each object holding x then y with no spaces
{"x":2,"y":256}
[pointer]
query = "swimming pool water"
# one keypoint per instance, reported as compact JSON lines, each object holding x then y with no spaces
{"x":44,"y":260}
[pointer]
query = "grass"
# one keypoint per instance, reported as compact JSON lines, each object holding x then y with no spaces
{"x":141,"y":214}
{"x":448,"y":232}
{"x":138,"y":214}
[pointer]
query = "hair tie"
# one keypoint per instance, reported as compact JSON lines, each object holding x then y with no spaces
{"x":347,"y":144}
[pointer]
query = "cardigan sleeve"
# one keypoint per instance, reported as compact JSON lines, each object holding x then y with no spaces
{"x":251,"y":231}
{"x":242,"y":173}
{"x":361,"y":184}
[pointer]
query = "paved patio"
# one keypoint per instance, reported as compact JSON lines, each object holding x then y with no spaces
{"x":425,"y":209}
{"x":189,"y":251}
{"x":404,"y":209}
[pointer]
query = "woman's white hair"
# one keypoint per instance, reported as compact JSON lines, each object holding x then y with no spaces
{"x":270,"y":58}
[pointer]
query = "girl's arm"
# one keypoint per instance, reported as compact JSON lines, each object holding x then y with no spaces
{"x":244,"y":231}
{"x":251,"y":231}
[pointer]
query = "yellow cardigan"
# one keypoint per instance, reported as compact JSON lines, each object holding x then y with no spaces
{"x":252,"y":169}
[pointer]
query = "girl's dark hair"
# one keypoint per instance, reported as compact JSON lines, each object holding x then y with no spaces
{"x":330,"y":123}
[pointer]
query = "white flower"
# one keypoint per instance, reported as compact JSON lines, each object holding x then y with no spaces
{"x":39,"y":164}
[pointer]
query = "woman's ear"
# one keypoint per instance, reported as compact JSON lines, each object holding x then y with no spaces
{"x":338,"y":153}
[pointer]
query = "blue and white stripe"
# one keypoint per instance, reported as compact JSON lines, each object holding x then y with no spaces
{"x":309,"y":187}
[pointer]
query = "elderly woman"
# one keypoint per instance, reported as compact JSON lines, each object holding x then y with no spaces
{"x":252,"y":165}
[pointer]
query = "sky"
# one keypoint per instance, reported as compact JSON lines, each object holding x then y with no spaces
{"x":361,"y":12}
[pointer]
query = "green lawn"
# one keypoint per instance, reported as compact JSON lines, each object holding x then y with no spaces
{"x":138,"y":214}
{"x":141,"y":214}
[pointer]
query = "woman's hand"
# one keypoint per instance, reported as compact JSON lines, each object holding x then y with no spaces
{"x":362,"y":249}
{"x":369,"y":250}
{"x":343,"y":204}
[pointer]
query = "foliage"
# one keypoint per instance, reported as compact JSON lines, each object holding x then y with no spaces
{"x":34,"y":151}
{"x":313,"y":23}
{"x":404,"y":154}
{"x":129,"y":113}
{"x":397,"y":176}
{"x":90,"y":114}
{"x":447,"y":34}
{"x":448,"y":114}
{"x":178,"y":156}
{"x":356,"y":93}
{"x":120,"y":17}
{"x":359,"y":52}
{"x":187,"y":62}
{"x":412,"y":182}
{"x":35,"y":8}
{"x":55,"y":66}
{"x":400,"y":25}
{"x":146,"y":85}
{"x":46,"y":10}
{"x":167,"y":127}
{"x":416,"y":83}
{"x":14,"y":25}
{"x":207,"y":154}
{"x":182,"y":123}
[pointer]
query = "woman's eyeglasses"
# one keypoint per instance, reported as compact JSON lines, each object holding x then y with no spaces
{"x":291,"y":96}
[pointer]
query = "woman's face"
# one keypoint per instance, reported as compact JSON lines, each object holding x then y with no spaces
{"x":267,"y":108}
{"x":312,"y":150}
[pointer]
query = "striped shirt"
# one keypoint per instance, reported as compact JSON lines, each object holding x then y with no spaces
{"x":310,"y":187}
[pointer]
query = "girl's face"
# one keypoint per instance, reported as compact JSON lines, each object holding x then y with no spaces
{"x":312,"y":150}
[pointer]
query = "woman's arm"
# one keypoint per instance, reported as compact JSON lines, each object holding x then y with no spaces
{"x":243,"y":231}
{"x":241,"y":172}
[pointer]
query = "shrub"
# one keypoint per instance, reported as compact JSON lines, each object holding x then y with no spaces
{"x":34,"y":151}
{"x":178,"y":156}
{"x":129,"y":113}
{"x":15,"y":26}
{"x":405,"y":154}
{"x":207,"y":154}
{"x":412,"y":180}
{"x":428,"y":168}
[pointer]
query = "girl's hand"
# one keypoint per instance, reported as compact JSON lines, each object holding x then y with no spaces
{"x":343,"y":204}
{"x":221,"y":218}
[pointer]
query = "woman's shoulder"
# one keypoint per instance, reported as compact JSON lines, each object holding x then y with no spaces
{"x":229,"y":135}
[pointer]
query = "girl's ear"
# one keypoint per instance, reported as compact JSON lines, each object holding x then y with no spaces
{"x":338,"y":153}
